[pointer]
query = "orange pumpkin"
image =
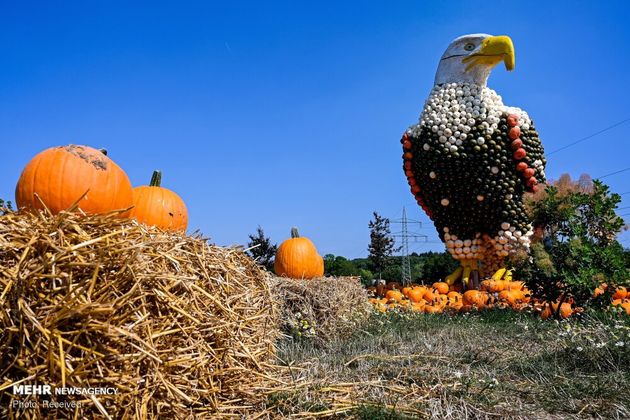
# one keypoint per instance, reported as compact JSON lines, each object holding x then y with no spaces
{"x":158,"y":206}
{"x":512,"y":297}
{"x":394,"y":295}
{"x":475,"y":298}
{"x":418,"y":306}
{"x":441,"y":287}
{"x":625,"y":304}
{"x":297,"y":258}
{"x":62,"y":176}
{"x":620,"y":293}
{"x":493,"y":286}
{"x":599,"y":290}
{"x":514,"y":285}
{"x":565,"y":310}
{"x":431,"y":295}
{"x":455,"y":298}
{"x":455,"y":304}
{"x":416,"y":295}
{"x":432,"y":309}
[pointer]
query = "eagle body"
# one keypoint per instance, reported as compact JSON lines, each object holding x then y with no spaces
{"x":469,"y":161}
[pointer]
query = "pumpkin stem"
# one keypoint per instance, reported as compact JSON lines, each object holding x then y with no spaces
{"x":156,"y":179}
{"x":103,"y":151}
{"x":294,"y":232}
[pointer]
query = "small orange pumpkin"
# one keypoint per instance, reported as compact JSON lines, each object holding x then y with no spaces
{"x":155,"y":205}
{"x":565,"y":310}
{"x":455,"y":296}
{"x":441,"y":287}
{"x":418,"y":306}
{"x":512,"y":297}
{"x":416,"y":295}
{"x":620,"y":293}
{"x":514,"y":285}
{"x":455,"y":304}
{"x":298,"y":258}
{"x":394,"y":295}
{"x":432,"y":309}
{"x":625,"y":304}
{"x":476,"y":298}
{"x":493,"y":286}
{"x":430,"y":295}
{"x":60,"y":176}
{"x":599,"y":290}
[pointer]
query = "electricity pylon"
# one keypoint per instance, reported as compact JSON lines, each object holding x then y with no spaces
{"x":406,"y":235}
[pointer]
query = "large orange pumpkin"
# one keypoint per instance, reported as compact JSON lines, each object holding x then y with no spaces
{"x":158,"y":206}
{"x":58,"y":177}
{"x":297,"y":258}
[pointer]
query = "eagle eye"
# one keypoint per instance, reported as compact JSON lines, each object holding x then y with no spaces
{"x":469,"y":46}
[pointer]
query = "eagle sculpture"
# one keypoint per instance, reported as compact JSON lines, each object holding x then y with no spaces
{"x":470,"y":160}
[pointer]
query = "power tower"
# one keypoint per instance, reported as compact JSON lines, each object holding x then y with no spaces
{"x":405,"y":235}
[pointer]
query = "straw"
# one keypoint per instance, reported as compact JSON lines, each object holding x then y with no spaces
{"x":323,"y":308}
{"x":179,"y":327}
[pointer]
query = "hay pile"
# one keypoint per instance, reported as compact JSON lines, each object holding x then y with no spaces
{"x":323,"y":308}
{"x":180,"y":328}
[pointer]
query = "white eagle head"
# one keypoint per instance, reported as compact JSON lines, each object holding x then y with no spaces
{"x":471,"y":58}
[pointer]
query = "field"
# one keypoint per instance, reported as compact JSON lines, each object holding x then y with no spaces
{"x":494,"y":364}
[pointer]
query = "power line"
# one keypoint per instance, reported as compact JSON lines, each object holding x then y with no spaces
{"x":589,"y":136}
{"x":614,"y":173}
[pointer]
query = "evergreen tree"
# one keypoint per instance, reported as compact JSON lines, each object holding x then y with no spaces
{"x":261,"y":249}
{"x":381,"y":243}
{"x":5,"y":207}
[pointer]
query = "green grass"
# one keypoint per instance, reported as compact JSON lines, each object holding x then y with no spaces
{"x":494,"y":364}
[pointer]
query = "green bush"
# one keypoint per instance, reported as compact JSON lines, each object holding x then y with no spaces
{"x":576,"y":248}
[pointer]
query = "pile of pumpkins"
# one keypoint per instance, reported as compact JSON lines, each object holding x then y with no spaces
{"x":85,"y":179}
{"x":440,"y":297}
{"x":620,"y":298}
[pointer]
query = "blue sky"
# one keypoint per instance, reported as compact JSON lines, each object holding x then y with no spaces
{"x":290,"y":113}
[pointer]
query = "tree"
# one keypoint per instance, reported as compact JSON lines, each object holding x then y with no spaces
{"x":339,"y":266}
{"x":261,"y":249}
{"x":381,"y":243}
{"x":575,"y":247}
{"x":436,"y":265}
{"x":5,"y":207}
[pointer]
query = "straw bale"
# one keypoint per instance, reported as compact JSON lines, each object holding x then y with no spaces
{"x":323,"y":308}
{"x":180,"y":328}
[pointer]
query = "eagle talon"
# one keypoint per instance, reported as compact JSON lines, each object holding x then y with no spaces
{"x":466,"y":272}
{"x":502,"y":274}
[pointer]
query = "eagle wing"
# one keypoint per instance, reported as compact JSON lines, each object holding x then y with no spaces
{"x":528,"y":151}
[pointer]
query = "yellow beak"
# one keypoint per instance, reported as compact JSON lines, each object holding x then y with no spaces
{"x":493,"y":50}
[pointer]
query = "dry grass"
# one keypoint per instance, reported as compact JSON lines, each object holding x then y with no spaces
{"x":322,"y":309}
{"x":180,"y":328}
{"x":497,"y":364}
